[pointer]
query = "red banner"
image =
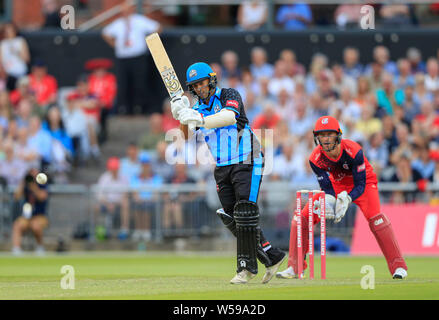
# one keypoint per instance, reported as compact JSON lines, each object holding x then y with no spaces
{"x":416,"y":228}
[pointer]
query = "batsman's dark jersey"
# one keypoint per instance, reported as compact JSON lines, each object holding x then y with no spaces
{"x":235,"y":148}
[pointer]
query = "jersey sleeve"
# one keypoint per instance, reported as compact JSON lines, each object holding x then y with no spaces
{"x":323,"y":179}
{"x":359,"y":175}
{"x":231,"y":100}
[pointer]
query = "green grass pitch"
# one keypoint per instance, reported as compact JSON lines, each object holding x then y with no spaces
{"x":203,"y":276}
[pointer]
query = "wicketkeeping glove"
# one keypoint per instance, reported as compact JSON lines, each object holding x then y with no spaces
{"x":341,"y":206}
{"x":179,"y":103}
{"x":329,"y":207}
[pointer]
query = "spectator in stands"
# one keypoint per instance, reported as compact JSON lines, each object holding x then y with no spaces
{"x":426,"y":123}
{"x":401,"y":172}
{"x":127,"y":36}
{"x":113,"y":203}
{"x":33,"y":216}
{"x":174,"y":201}
{"x":348,"y":15}
{"x":388,"y":97}
{"x":249,"y":85}
{"x":351,"y":65}
{"x":103,"y":85}
{"x":284,"y":105}
{"x":12,"y":133}
{"x":411,"y":108}
{"x":319,"y":62}
{"x":363,"y":91}
{"x":421,"y":93}
{"x":368,"y":124}
{"x":404,"y":76}
{"x":423,"y":166}
{"x":149,"y":140}
{"x":62,"y":146}
{"x":159,"y":164}
{"x":264,"y":95}
{"x":23,"y":91}
{"x":299,"y":90}
{"x":375,"y":76}
{"x":43,"y":84}
{"x":24,"y":112}
{"x":268,"y":119}
{"x":252,"y":15}
{"x":342,"y":80}
{"x":24,"y":152}
{"x":381,"y":55}
{"x":14,"y":54}
{"x":144,"y":202}
{"x":415,"y":58}
{"x":12,"y":168}
{"x":395,"y":15}
{"x":377,"y":152}
{"x":89,"y":104}
{"x":259,"y":66}
{"x":168,"y":121}
{"x":288,"y":163}
{"x":303,"y":120}
{"x":325,"y":88}
{"x":54,"y":125}
{"x":5,"y":112}
{"x":350,"y":110}
{"x":295,"y":16}
{"x":280,"y":80}
{"x":41,"y":141}
{"x":432,"y":76}
{"x":76,"y":127}
{"x":229,"y":66}
{"x":130,"y":165}
{"x":404,"y":147}
{"x":252,"y":108}
{"x":293,"y":67}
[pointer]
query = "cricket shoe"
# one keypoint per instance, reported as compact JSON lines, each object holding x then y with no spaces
{"x":271,"y":271}
{"x":242,"y":277}
{"x":288,"y":273}
{"x":400,"y":273}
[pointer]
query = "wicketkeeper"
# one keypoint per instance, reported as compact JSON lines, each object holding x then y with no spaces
{"x":346,"y":176}
{"x":220,"y":116}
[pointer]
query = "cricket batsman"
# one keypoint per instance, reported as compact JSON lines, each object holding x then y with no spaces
{"x":346,"y":176}
{"x":220,"y":116}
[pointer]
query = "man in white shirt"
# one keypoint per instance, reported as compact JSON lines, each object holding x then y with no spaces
{"x":127,"y":36}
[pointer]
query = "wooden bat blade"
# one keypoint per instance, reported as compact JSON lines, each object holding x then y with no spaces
{"x":164,"y":65}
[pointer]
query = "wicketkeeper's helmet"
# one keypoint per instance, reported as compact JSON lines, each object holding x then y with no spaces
{"x":327,"y":123}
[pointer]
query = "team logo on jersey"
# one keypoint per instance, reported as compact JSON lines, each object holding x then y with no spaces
{"x":192,"y":73}
{"x":361,"y":167}
{"x":216,"y":108}
{"x":325,"y":121}
{"x":232,"y":103}
{"x":345,"y":166}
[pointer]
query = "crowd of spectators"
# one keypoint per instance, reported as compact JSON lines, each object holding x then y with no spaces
{"x":39,"y":127}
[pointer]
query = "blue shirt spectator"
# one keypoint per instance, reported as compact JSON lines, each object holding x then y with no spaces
{"x":130,"y":165}
{"x":145,"y":178}
{"x":39,"y":139}
{"x":294,"y":16}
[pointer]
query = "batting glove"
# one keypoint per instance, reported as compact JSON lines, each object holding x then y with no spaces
{"x":191,"y":116}
{"x":341,"y":206}
{"x":179,"y":103}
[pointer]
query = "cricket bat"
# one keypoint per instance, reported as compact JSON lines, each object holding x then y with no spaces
{"x":165,"y":68}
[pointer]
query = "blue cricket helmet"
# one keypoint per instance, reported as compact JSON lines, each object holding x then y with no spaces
{"x":200,"y":71}
{"x":197,"y":72}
